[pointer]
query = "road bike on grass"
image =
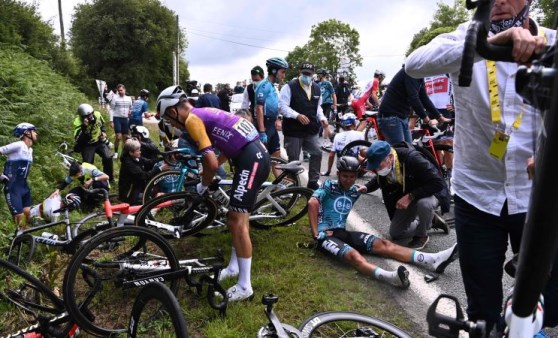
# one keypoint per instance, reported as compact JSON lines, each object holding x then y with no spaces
{"x":111,"y":269}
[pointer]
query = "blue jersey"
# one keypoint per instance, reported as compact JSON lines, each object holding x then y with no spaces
{"x":335,"y":204}
{"x":327,"y":92}
{"x":138,"y":108}
{"x":266,"y":96}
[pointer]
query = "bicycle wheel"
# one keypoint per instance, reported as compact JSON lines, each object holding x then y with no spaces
{"x":281,"y":207}
{"x":348,"y":324}
{"x":157,"y":300}
{"x":291,"y":179}
{"x":24,"y":299}
{"x":95,"y":220}
{"x":21,"y":250}
{"x":178,"y":214}
{"x":107,"y":272}
{"x":168,"y":181}
{"x":370,"y":133}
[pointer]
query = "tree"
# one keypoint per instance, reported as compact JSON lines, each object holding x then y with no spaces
{"x":333,"y":45}
{"x":129,"y":42}
{"x":446,"y":19}
{"x":546,"y":12}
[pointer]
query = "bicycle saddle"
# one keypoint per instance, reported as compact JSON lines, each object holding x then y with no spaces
{"x":294,"y":166}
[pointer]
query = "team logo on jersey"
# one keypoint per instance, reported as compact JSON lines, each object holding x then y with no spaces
{"x":342,"y":205}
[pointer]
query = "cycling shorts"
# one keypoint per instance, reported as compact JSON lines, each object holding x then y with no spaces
{"x":252,"y":168}
{"x":272,"y":136}
{"x":18,"y":197}
{"x":121,"y":125}
{"x":342,"y":241}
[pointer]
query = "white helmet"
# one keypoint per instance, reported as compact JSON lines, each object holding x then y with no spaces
{"x":140,"y":130}
{"x":169,"y":97}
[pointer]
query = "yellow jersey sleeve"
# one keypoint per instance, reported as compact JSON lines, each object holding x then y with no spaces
{"x":196,"y":129}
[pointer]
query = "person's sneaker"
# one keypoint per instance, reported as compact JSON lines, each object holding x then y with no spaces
{"x":305,"y":156}
{"x":438,"y":223}
{"x":441,"y":266}
{"x":115,"y":156}
{"x":236,"y":293}
{"x":313,"y":185}
{"x":418,"y":243}
{"x":225,"y":273}
{"x":403,"y":275}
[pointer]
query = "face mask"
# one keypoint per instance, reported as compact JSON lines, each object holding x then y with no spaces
{"x":497,"y":26}
{"x":256,"y":83}
{"x":384,"y":172}
{"x":305,"y":79}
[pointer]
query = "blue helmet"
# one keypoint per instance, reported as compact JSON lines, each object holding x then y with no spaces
{"x":274,"y":64}
{"x":348,"y":120}
{"x":22,"y":128}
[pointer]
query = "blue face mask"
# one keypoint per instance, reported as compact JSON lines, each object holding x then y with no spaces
{"x":305,"y":79}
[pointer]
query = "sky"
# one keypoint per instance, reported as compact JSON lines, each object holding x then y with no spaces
{"x":227,"y":38}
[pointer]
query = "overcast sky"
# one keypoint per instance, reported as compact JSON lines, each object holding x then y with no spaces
{"x":227,"y":38}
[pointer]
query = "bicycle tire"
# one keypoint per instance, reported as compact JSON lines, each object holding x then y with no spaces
{"x":166,"y":182}
{"x":21,"y":250}
{"x":157,"y":293}
{"x":29,"y":299}
{"x":293,"y":200}
{"x":341,"y":324}
{"x":368,"y":135}
{"x":191,"y":212}
{"x":357,"y":143}
{"x":118,"y":255}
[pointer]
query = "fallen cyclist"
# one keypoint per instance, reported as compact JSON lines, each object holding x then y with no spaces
{"x":328,"y":210}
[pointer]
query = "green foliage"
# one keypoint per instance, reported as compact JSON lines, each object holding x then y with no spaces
{"x":31,"y":92}
{"x":446,"y":19}
{"x":333,"y":45}
{"x":127,"y":41}
{"x":546,"y":12}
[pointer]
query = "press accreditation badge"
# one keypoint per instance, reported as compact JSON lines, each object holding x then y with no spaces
{"x":499,"y":144}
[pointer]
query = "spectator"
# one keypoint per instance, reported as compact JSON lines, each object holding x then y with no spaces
{"x":249,"y":98}
{"x":149,"y":149}
{"x":238,"y":89}
{"x":343,"y":94}
{"x":120,"y":108}
{"x":225,"y":97}
{"x":208,"y":98}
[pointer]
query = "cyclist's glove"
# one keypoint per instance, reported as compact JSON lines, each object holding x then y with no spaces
{"x":263,"y":136}
{"x":321,"y":236}
{"x":201,"y":189}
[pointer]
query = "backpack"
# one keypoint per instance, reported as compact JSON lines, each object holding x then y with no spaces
{"x":443,"y":196}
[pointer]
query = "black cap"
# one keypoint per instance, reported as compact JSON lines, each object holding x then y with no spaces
{"x":257,"y":71}
{"x":75,"y":168}
{"x":307,"y":68}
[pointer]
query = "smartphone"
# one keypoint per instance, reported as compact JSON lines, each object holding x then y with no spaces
{"x":430,"y":278}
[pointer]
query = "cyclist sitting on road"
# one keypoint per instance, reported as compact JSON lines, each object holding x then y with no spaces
{"x":135,"y":172}
{"x":16,"y":169}
{"x":237,"y":139}
{"x":411,"y":187}
{"x":349,"y":134}
{"x":149,"y":149}
{"x":90,"y":178}
{"x":328,"y":210}
{"x":49,"y":210}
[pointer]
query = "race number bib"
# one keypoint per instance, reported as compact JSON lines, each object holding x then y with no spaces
{"x":246,"y":129}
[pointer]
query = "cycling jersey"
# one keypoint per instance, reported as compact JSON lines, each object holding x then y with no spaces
{"x":138,"y":108}
{"x":266,"y":96}
{"x":344,"y":138}
{"x":120,"y":107}
{"x":359,"y":103}
{"x":335,"y":204}
{"x":46,"y":209}
{"x":327,"y":92}
{"x":16,"y":168}
{"x":210,"y":127}
{"x":88,"y":171}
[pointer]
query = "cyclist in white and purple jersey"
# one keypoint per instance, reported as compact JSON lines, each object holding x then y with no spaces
{"x":16,"y":170}
{"x":237,"y":139}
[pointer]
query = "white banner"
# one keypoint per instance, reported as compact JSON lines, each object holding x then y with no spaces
{"x":101,"y":85}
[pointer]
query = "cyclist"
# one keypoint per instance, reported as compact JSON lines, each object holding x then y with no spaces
{"x":89,"y":177}
{"x":267,"y":105}
{"x":16,"y":170}
{"x":237,"y":139}
{"x":149,"y":149}
{"x":362,"y":102}
{"x":349,"y":134}
{"x":119,"y":113}
{"x":91,"y":137}
{"x":49,"y":210}
{"x":328,"y":210}
{"x":492,"y":188}
{"x":139,"y":109}
{"x":411,"y":187}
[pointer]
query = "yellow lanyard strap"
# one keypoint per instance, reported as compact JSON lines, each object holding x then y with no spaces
{"x":495,"y":111}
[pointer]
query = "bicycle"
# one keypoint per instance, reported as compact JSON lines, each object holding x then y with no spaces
{"x":112,"y":268}
{"x":327,"y":324}
{"x":39,"y":312}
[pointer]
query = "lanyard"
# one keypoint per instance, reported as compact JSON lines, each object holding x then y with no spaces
{"x":495,"y":111}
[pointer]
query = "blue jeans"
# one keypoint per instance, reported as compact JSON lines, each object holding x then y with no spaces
{"x":395,"y":129}
{"x":482,"y":241}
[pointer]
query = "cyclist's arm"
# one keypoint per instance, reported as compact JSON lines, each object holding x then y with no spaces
{"x":9,"y":148}
{"x":313,"y":211}
{"x":196,"y":129}
{"x":261,"y":96}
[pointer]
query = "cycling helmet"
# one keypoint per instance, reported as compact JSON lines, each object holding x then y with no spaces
{"x":84,"y":109}
{"x":72,"y":201}
{"x":348,"y":120}
{"x":144,"y":93}
{"x":22,"y":128}
{"x":144,"y":132}
{"x":348,"y":163}
{"x":169,"y":97}
{"x":274,"y":64}
{"x":380,"y":73}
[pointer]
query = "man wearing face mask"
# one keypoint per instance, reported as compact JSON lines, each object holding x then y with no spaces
{"x":249,"y":96}
{"x":491,"y":184}
{"x":300,"y":104}
{"x":410,"y":184}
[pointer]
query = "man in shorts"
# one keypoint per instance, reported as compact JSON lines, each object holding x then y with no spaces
{"x":119,"y":113}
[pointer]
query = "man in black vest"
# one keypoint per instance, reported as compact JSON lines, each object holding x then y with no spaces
{"x":300,"y":104}
{"x":249,"y":98}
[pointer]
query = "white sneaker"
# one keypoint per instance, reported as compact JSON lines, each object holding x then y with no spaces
{"x":226,"y":273}
{"x":236,"y":293}
{"x":115,"y":156}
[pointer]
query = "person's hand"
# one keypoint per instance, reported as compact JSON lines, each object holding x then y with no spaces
{"x":444,"y":119}
{"x":302,"y":119}
{"x":531,"y":167}
{"x":55,"y":193}
{"x":263,"y":136}
{"x":279,"y":124}
{"x":433,"y":122}
{"x":164,"y":166}
{"x":524,"y":43}
{"x":88,"y":183}
{"x":403,"y":202}
{"x":201,"y":189}
{"x":321,"y":236}
{"x":85,"y":122}
{"x":361,"y":188}
{"x":449,"y":108}
{"x":112,"y":124}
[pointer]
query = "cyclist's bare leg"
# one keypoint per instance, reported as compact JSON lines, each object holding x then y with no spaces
{"x":273,"y":170}
{"x":117,"y":138}
{"x":361,"y":125}
{"x":238,"y":225}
